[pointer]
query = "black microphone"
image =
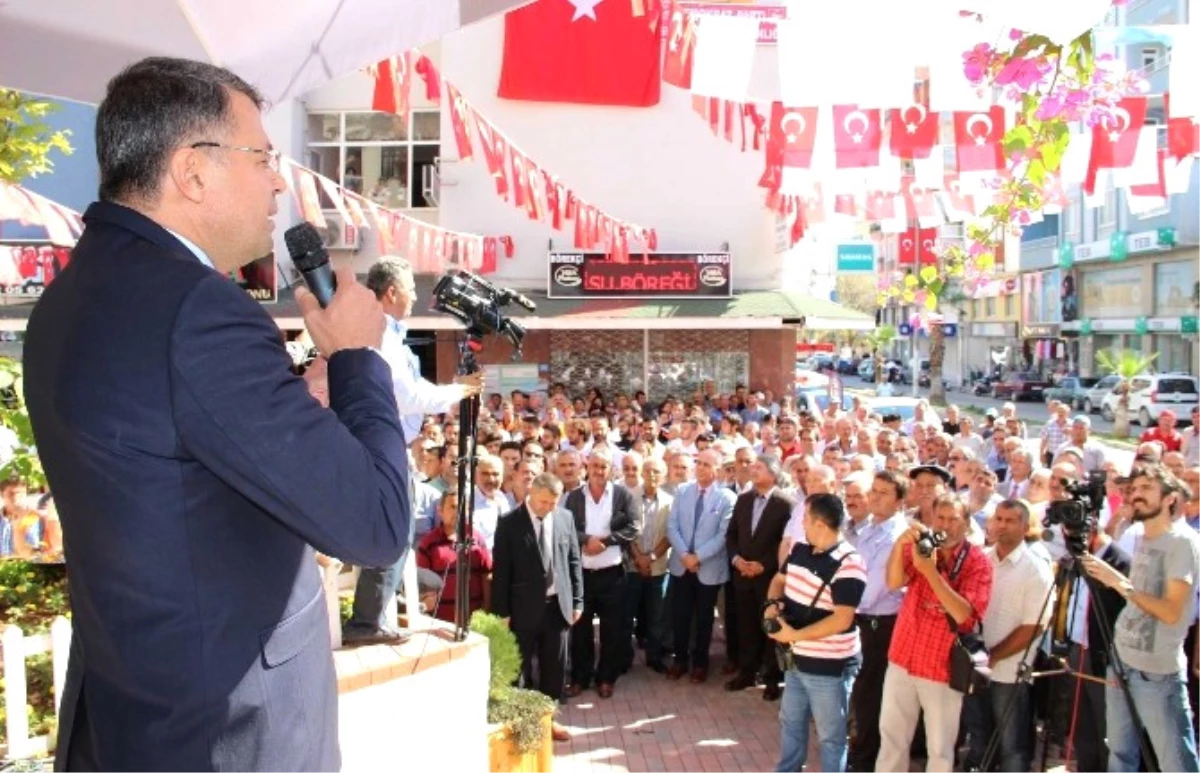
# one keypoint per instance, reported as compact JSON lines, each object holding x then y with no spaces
{"x":311,"y":259}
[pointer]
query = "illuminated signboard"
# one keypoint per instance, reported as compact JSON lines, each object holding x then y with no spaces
{"x":659,"y":275}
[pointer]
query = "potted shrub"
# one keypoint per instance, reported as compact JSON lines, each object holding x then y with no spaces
{"x":520,"y":739}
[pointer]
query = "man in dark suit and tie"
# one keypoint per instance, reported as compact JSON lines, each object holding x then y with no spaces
{"x":759,"y":518}
{"x":605,"y":523}
{"x":537,"y":584}
{"x":194,"y":473}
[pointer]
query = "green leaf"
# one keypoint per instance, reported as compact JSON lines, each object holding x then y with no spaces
{"x":26,"y":141}
{"x":936,"y":286}
{"x":1037,"y":175}
{"x":931,"y":301}
{"x":910,"y":281}
{"x":1018,"y":138}
{"x":1051,"y":156}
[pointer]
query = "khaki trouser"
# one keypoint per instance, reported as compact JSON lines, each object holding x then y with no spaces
{"x":904,"y":697}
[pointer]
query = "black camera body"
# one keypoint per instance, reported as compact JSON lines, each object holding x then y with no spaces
{"x":929,"y":541}
{"x":1078,"y":515}
{"x":478,"y":303}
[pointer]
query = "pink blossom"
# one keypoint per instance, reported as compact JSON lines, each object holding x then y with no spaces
{"x":1015,"y":34}
{"x":977,"y":61}
{"x":1024,"y":73}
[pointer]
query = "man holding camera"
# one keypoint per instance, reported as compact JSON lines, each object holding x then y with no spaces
{"x":1159,"y":594}
{"x":810,"y":609}
{"x":391,"y":279}
{"x":955,"y":579}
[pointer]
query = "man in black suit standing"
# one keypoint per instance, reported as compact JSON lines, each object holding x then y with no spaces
{"x":605,"y":523}
{"x":759,"y":519}
{"x":537,"y":584}
{"x":193,"y":472}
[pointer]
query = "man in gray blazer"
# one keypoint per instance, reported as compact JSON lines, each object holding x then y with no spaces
{"x":699,"y":565}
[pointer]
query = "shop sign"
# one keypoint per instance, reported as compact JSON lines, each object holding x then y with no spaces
{"x":658,"y":275}
{"x":1122,"y":244}
{"x":856,"y":258}
{"x":1189,"y":324}
{"x":1039,"y":331}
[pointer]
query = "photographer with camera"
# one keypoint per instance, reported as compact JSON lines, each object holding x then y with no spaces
{"x":1159,"y":594}
{"x":391,"y":279}
{"x":946,"y":577}
{"x":810,"y":610}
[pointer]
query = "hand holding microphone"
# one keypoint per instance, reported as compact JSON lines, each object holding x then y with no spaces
{"x":339,"y":312}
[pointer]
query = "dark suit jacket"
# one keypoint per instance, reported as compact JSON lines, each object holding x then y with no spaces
{"x":518,"y":580}
{"x":192,"y":473}
{"x":623,"y":528}
{"x":763,"y":544}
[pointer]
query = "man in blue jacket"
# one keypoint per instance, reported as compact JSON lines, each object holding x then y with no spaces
{"x":193,"y":472}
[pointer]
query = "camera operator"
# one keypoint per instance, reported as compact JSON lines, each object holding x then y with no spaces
{"x":819,"y":629}
{"x":1150,"y":631}
{"x":391,"y":279}
{"x":1014,"y":618}
{"x":954,"y":579}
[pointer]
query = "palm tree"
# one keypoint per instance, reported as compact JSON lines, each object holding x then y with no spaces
{"x":878,"y":339}
{"x":937,"y":355}
{"x":1127,"y":364}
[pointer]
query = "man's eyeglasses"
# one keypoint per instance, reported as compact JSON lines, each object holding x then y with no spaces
{"x":271,"y":156}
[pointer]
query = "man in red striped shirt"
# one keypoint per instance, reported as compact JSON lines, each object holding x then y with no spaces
{"x":955,"y":580}
{"x":813,"y":599}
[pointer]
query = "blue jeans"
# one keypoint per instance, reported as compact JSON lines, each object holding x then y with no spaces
{"x":826,"y":700}
{"x":1162,"y":706}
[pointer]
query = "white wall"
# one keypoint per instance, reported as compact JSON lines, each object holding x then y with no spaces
{"x":660,"y":167}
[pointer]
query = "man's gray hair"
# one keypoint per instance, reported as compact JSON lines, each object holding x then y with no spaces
{"x":386,"y":272}
{"x":548,"y":481}
{"x":772,"y":463}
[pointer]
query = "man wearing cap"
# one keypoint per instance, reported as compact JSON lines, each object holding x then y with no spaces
{"x":1165,"y":433}
{"x":929,"y":482}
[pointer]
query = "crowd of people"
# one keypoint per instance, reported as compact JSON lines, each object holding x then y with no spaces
{"x":806,"y":536}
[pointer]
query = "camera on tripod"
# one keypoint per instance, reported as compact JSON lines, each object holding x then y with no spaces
{"x":1078,"y":515}
{"x":478,"y":303}
{"x":929,"y":541}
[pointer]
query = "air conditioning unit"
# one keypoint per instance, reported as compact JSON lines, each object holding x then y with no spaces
{"x":339,"y":234}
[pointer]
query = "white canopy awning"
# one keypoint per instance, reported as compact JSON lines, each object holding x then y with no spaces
{"x":71,"y":48}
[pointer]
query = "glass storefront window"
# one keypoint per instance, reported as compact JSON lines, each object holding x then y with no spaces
{"x":1175,"y":354}
{"x":679,"y":374}
{"x":379,"y":156}
{"x":608,"y":371}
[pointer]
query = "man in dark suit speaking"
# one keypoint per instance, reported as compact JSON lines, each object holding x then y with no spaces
{"x":193,"y":472}
{"x":537,"y":584}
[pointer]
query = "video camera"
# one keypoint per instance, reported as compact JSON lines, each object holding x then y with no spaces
{"x":477,"y":302}
{"x":1078,"y":515}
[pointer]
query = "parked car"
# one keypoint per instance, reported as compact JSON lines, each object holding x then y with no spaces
{"x":1071,"y":390}
{"x":1020,"y":386}
{"x":815,"y":401}
{"x":1151,"y":394}
{"x":904,"y":407}
{"x":1095,"y":395}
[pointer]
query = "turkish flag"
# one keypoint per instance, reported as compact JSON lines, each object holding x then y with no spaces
{"x":793,"y":134}
{"x":857,"y":137}
{"x":680,"y":48}
{"x":1158,"y":188}
{"x":977,"y":138}
{"x":959,"y":205}
{"x":393,"y":83}
{"x":914,"y":131}
{"x":927,"y":246}
{"x":460,"y":121}
{"x":1115,"y":138}
{"x":1183,"y":133}
{"x":880,"y":205}
{"x":583,"y":51}
{"x":921,"y":202}
{"x":908,"y":248}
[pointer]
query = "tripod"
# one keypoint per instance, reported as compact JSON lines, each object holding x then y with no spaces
{"x":468,"y":419}
{"x":1071,"y":572}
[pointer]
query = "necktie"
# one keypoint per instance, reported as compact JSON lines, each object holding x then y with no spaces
{"x":696,"y":519}
{"x":543,"y":548}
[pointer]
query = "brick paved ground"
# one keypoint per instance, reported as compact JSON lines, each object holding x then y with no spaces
{"x":653,"y":724}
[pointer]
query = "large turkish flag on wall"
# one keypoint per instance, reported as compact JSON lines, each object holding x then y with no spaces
{"x":593,"y":52}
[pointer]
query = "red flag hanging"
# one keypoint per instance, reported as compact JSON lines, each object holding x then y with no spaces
{"x":1115,"y":139}
{"x":460,"y":116}
{"x":880,"y":205}
{"x":680,"y":48}
{"x":581,"y":51}
{"x":927,"y":246}
{"x":913,"y":131}
{"x":920,"y":201}
{"x":432,"y":78}
{"x":907,"y":255}
{"x":1183,"y":133}
{"x":857,"y":137}
{"x":977,"y":140}
{"x":1157,"y":188}
{"x":393,"y":82}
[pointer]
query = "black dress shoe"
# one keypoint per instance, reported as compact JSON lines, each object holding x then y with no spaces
{"x":657,"y":667}
{"x":739,"y":682}
{"x":771,"y":692}
{"x":360,"y":637}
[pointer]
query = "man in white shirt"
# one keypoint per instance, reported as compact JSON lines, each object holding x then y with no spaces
{"x":391,"y":279}
{"x":1014,"y":618}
